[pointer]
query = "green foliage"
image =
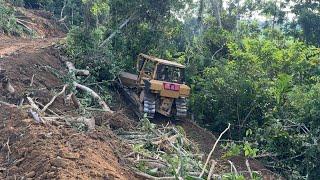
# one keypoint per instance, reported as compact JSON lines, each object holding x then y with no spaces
{"x":261,"y":80}
{"x":266,"y":83}
{"x":232,"y":150}
{"x":98,"y":7}
{"x":308,"y":13}
{"x":8,"y":23}
{"x":249,"y":151}
{"x":309,"y":22}
{"x":82,"y":47}
{"x":232,"y":176}
{"x":245,"y":149}
{"x":146,"y":124}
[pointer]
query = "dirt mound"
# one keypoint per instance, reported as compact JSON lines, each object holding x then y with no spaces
{"x":32,"y":61}
{"x":38,"y":151}
{"x":39,"y":21}
{"x":58,"y":149}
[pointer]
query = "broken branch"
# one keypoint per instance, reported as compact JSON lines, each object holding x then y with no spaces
{"x":54,"y":98}
{"x":33,"y":104}
{"x":31,"y":82}
{"x":94,"y":95}
{"x":213,"y":148}
{"x":36,"y":116}
{"x":211,"y":169}
{"x":78,"y":72}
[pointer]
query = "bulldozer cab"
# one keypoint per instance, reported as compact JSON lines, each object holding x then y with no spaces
{"x":152,"y":68}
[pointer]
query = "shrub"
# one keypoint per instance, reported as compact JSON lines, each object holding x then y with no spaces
{"x":8,"y":23}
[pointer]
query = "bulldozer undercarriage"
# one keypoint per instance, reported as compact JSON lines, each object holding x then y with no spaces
{"x":181,"y":107}
{"x":148,"y":104}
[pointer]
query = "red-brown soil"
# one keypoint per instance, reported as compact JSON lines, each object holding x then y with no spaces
{"x":54,"y":150}
{"x":32,"y":150}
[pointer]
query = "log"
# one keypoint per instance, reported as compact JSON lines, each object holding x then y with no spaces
{"x":78,"y":72}
{"x":103,"y":104}
{"x":35,"y":116}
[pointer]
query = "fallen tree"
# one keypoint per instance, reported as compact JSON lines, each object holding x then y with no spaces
{"x":75,"y":71}
{"x":164,"y":152}
{"x":101,"y":102}
{"x":78,"y":72}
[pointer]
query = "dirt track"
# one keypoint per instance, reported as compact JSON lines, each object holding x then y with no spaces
{"x":14,"y":46}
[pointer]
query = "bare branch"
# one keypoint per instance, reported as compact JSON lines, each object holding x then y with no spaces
{"x":54,"y":98}
{"x":211,"y":152}
{"x":78,"y":72}
{"x":94,"y":95}
{"x":211,"y":169}
{"x":249,"y":168}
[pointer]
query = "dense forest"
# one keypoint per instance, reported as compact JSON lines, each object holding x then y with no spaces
{"x":251,"y":63}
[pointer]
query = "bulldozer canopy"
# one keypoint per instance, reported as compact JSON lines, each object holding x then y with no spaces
{"x":162,"y":61}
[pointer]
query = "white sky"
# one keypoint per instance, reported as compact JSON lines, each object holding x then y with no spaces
{"x":257,"y":16}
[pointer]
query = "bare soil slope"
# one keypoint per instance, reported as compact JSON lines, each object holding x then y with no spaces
{"x":31,"y":150}
{"x":53,"y":150}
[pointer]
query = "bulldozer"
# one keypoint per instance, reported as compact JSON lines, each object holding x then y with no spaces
{"x":158,"y":87}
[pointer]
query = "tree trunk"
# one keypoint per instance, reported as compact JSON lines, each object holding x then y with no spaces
{"x":103,"y":105}
{"x":116,"y":31}
{"x":62,"y":10}
{"x":216,"y":11}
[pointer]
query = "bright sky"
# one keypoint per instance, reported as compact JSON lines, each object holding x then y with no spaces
{"x":257,"y":16}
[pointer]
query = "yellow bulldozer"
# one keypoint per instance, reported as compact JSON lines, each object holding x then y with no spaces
{"x":159,"y":87}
